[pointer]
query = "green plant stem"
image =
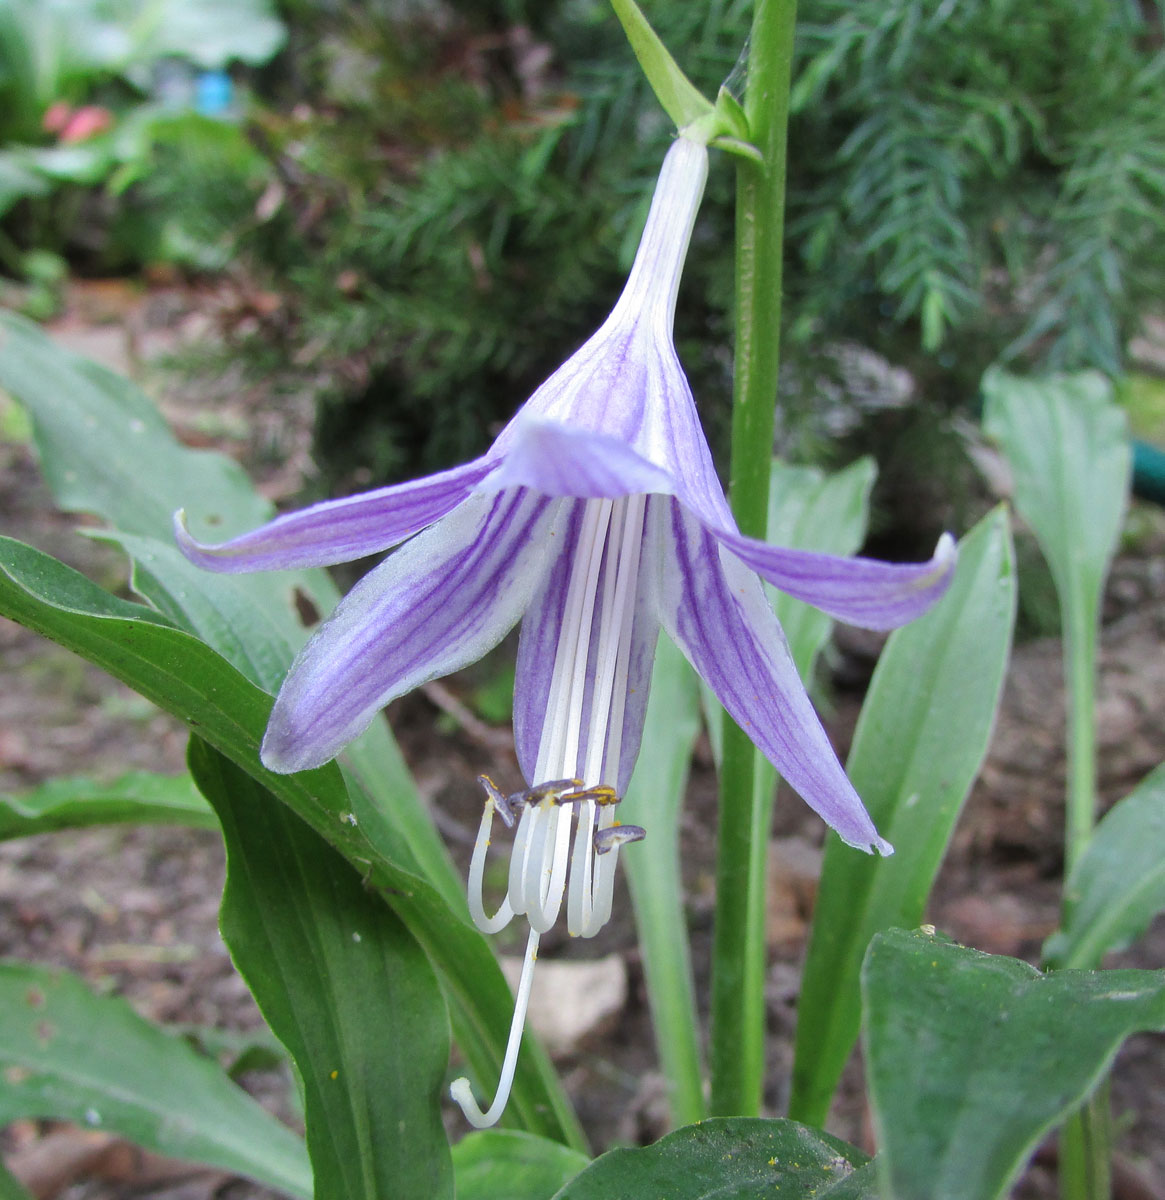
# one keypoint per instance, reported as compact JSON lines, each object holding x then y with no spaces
{"x":1080,"y":620}
{"x":1085,"y":1150}
{"x":738,"y":952}
{"x":1086,"y":1139}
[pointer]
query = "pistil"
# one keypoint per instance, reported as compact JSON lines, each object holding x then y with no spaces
{"x":580,"y":751}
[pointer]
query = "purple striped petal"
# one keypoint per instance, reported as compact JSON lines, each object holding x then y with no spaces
{"x":439,"y":602}
{"x":339,"y":530}
{"x":715,"y":610}
{"x":859,"y":591}
{"x":538,"y":646}
{"x":562,"y":460}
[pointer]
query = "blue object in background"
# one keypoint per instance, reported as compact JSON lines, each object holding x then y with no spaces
{"x":214,"y":93}
{"x":1149,"y":472}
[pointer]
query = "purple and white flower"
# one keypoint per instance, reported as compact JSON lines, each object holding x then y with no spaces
{"x":595,"y":519}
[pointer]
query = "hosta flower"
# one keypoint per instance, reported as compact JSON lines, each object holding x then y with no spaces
{"x":594,"y":519}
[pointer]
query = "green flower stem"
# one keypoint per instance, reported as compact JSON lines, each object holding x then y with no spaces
{"x":1086,"y":1139}
{"x":738,"y":952}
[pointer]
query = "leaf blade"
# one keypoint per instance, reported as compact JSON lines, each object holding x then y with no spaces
{"x":966,"y":1057}
{"x":337,"y":975}
{"x":922,"y":734}
{"x":74,"y":1055}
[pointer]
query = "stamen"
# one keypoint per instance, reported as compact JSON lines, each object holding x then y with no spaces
{"x":462,"y":1092}
{"x":608,"y":839}
{"x":502,"y":803}
{"x":505,"y":913}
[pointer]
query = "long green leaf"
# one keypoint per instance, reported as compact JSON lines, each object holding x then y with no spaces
{"x":730,"y":1158}
{"x":1067,"y":444}
{"x":339,"y":979}
{"x":105,"y":449}
{"x":72,"y":1055}
{"x":972,"y":1058}
{"x":1118,"y":885}
{"x":922,"y":735}
{"x":138,"y":797}
{"x":184,"y":676}
{"x":502,"y":1162}
{"x":654,"y":798}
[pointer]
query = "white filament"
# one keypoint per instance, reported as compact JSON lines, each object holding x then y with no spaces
{"x":544,"y":866}
{"x":461,"y":1091}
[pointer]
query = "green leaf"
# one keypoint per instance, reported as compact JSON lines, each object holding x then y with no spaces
{"x":921,"y":737}
{"x":680,"y":98}
{"x":138,"y":797}
{"x":502,"y":1162}
{"x":1118,"y":885}
{"x":71,"y":1055}
{"x":185,"y":677}
{"x":1067,"y":444}
{"x":972,"y":1058}
{"x":654,"y":797}
{"x":730,"y":1158}
{"x":340,"y":980}
{"x":105,"y":449}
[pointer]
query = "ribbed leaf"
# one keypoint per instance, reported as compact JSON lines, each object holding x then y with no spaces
{"x":971,"y":1058}
{"x":136,"y":798}
{"x":339,"y":979}
{"x":502,"y":1162}
{"x":76,"y":1056}
{"x":922,"y":735}
{"x":730,"y":1158}
{"x":1118,"y":885}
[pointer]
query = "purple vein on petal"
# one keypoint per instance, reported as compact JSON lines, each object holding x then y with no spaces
{"x":859,"y":591}
{"x":715,"y":610}
{"x":438,"y":603}
{"x":339,"y":530}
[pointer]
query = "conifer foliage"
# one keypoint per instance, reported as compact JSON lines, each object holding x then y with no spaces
{"x":970,"y":182}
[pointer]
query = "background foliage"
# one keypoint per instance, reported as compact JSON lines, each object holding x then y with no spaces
{"x":970,"y":183}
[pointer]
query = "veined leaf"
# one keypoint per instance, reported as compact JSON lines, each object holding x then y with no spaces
{"x":1118,"y":885}
{"x":972,"y":1058}
{"x":138,"y":797}
{"x":338,"y":977}
{"x":921,"y":737}
{"x":72,"y":1055}
{"x":492,"y":1163}
{"x":730,"y":1158}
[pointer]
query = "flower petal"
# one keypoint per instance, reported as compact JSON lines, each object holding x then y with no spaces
{"x":339,"y":530}
{"x":715,"y":610}
{"x":538,"y":646}
{"x":562,"y":460}
{"x":859,"y":591}
{"x":439,"y":602}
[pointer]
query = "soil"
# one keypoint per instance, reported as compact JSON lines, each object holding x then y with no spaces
{"x":134,"y":910}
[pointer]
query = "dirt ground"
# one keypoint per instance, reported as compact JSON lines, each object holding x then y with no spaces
{"x":134,"y":910}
